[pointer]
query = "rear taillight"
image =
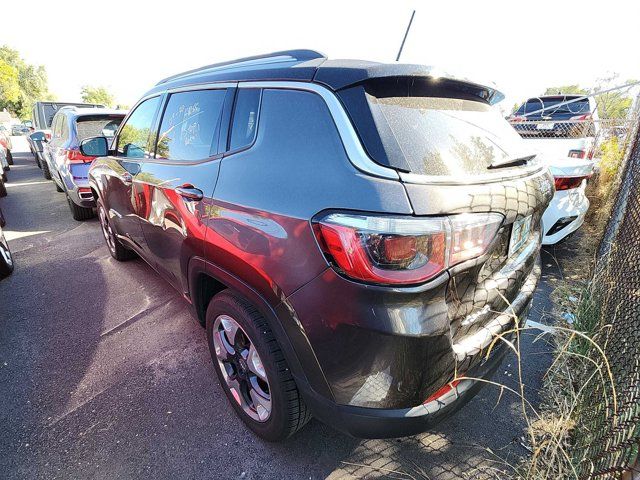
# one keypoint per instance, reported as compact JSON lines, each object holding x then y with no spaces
{"x":567,"y":183}
{"x":403,"y":250}
{"x":516,"y":118}
{"x":586,"y":116}
{"x":442,"y":391}
{"x":47,"y":135}
{"x":577,"y":153}
{"x":74,"y":156}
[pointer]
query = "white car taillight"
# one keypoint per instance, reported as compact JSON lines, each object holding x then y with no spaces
{"x":403,"y":250}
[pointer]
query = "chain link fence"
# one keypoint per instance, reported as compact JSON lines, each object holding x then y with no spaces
{"x":607,"y":435}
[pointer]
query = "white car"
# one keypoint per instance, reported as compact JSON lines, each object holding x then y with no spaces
{"x":566,"y":212}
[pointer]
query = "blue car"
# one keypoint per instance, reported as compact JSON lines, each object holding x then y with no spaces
{"x":63,"y":162}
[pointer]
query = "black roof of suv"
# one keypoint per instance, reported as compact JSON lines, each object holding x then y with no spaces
{"x":312,"y":66}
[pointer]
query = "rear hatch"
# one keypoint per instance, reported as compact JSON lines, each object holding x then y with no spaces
{"x":87,"y":126}
{"x":457,"y":155}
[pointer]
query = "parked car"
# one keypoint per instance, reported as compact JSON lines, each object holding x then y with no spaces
{"x":4,"y":168}
{"x":6,"y":259}
{"x":19,"y":129}
{"x":5,"y":141}
{"x":354,"y":235}
{"x":557,"y":128}
{"x":566,"y":212}
{"x":36,"y":141}
{"x":43,"y":112}
{"x":65,"y":164}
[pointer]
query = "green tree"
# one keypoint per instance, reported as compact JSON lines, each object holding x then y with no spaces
{"x":32,"y":83}
{"x":98,"y":95}
{"x":9,"y":86}
{"x":575,"y":89}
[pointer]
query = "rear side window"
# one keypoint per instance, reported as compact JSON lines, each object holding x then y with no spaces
{"x":134,"y":137}
{"x":245,"y":118}
{"x":97,"y":126}
{"x":190,"y":125}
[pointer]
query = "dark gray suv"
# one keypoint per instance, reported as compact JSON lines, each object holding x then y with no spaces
{"x":354,"y":235}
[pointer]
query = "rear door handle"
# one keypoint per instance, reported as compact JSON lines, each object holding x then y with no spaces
{"x":190,"y":192}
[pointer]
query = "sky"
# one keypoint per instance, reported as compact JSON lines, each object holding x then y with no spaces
{"x":523,"y":47}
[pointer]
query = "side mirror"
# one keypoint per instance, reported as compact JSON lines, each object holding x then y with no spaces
{"x":94,"y":147}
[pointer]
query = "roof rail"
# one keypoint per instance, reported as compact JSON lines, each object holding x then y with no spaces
{"x":274,"y":57}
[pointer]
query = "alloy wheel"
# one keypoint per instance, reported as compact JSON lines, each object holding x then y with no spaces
{"x":107,"y":231}
{"x":242,"y":368}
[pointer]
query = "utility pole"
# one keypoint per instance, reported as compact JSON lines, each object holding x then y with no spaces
{"x":405,"y":36}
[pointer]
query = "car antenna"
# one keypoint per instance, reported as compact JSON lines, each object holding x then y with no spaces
{"x":405,"y":36}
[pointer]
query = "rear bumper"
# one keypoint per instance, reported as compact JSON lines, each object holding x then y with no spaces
{"x":364,"y":422}
{"x":564,"y":215}
{"x":379,"y":385}
{"x":76,"y":183}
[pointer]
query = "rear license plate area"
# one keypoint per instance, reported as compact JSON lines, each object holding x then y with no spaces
{"x":520,"y":231}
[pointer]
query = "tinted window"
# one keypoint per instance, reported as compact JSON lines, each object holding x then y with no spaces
{"x":245,"y":118}
{"x":97,"y":126}
{"x":446,"y":136}
{"x":190,"y":125}
{"x":134,"y":138}
{"x":39,"y":136}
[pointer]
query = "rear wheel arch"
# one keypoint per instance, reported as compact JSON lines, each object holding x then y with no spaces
{"x":207,"y":279}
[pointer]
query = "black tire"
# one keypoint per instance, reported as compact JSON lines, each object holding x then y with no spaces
{"x":4,"y":177}
{"x":3,"y":188}
{"x":6,"y":259}
{"x":115,"y":247}
{"x":38,"y":161}
{"x":58,"y":188}
{"x":79,"y":213}
{"x":45,"y":170}
{"x":9,"y":157}
{"x":288,"y":410}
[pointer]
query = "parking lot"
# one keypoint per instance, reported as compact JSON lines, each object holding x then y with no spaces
{"x":105,"y":373}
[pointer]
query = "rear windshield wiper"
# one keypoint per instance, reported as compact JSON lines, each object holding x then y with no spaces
{"x":512,"y":162}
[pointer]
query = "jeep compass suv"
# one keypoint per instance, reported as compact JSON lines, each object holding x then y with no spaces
{"x":354,"y":235}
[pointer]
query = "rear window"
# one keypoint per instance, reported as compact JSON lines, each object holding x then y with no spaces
{"x":37,"y":136}
{"x":553,"y":106}
{"x":97,"y":126}
{"x":431,"y":127}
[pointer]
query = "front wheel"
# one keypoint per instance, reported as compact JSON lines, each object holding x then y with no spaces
{"x":252,"y":369}
{"x":116,"y":248}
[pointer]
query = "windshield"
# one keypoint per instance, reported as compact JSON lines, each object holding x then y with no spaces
{"x":447,"y":136}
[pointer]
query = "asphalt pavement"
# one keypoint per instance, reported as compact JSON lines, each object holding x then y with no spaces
{"x":105,"y":373}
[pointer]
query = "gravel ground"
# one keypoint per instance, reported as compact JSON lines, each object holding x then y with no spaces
{"x":105,"y":373}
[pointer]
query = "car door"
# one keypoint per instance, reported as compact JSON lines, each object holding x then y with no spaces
{"x":178,"y":181}
{"x":131,"y":146}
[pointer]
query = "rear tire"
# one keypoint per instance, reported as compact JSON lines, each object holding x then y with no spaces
{"x":45,"y":170}
{"x":79,"y":213}
{"x":115,"y":247}
{"x":9,"y":157}
{"x":288,"y":412}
